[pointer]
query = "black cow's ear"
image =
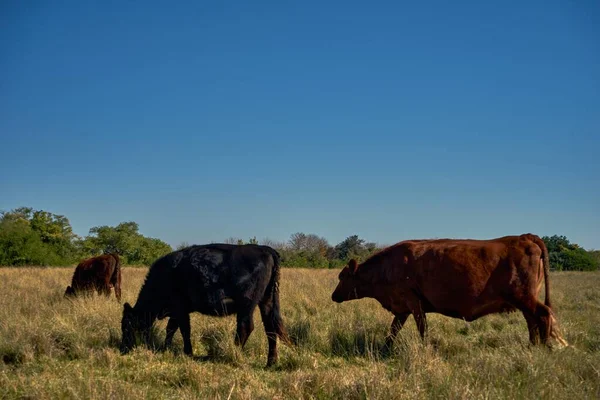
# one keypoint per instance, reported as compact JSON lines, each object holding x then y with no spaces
{"x":127,"y":307}
{"x":352,"y":265}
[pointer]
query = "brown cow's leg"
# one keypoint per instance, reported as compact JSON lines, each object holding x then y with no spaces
{"x":104,"y":287}
{"x":245,"y":324}
{"x":544,"y":316}
{"x":172,"y":327}
{"x":117,"y":285}
{"x":101,"y":289}
{"x":421,"y":321}
{"x":538,"y":317}
{"x":184,"y":327}
{"x":397,"y":324}
{"x":416,"y":308}
{"x":534,"y":332}
{"x":268,"y":319}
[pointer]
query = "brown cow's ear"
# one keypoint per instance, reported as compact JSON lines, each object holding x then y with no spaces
{"x":352,"y":265}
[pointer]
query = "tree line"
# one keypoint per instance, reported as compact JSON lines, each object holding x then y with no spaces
{"x":38,"y":237}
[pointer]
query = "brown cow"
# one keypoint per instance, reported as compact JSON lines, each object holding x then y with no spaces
{"x":97,"y":273}
{"x":464,"y":279}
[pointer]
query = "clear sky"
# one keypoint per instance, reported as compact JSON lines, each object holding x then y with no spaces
{"x":390,"y":120}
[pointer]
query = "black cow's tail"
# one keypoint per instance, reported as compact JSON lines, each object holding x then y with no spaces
{"x":273,"y":293}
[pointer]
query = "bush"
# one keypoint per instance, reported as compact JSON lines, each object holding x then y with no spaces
{"x":567,"y":256}
{"x":578,"y":260}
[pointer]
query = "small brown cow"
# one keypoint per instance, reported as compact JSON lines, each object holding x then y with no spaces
{"x":464,"y":279}
{"x":97,"y":273}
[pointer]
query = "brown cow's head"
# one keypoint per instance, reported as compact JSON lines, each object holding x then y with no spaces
{"x":351,"y":286}
{"x":70,"y":292}
{"x":131,"y":328}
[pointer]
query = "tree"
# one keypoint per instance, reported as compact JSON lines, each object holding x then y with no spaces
{"x":233,"y":240}
{"x":578,"y":260}
{"x":596,"y":256}
{"x":147,"y":250}
{"x":351,"y":247}
{"x":310,"y":243}
{"x":107,"y":239}
{"x":182,"y":245}
{"x":125,"y":240}
{"x":35,"y":237}
{"x":305,"y":251}
{"x":567,"y":256}
{"x":556,"y":243}
{"x":273,"y":244}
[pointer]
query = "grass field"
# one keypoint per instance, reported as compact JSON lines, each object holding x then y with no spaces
{"x":55,"y":348}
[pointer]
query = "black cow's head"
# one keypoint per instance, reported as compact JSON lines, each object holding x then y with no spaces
{"x":131,"y":327}
{"x":70,"y":292}
{"x":350,"y":286}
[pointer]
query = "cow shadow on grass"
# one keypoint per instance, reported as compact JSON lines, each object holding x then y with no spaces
{"x":217,"y":344}
{"x":300,"y":333}
{"x":219,"y":347}
{"x":155,"y":341}
{"x":368,"y":341}
{"x":361,"y":342}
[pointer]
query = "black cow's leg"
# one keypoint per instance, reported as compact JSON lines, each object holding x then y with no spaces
{"x":184,"y":327}
{"x":172,"y":327}
{"x":397,"y":324}
{"x":245,"y":323}
{"x":269,"y":321}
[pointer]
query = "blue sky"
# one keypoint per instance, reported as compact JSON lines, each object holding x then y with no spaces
{"x":390,"y":120}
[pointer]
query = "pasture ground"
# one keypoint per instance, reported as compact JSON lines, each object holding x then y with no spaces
{"x":55,"y":348}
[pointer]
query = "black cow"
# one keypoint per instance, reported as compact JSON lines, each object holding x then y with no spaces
{"x":214,"y":279}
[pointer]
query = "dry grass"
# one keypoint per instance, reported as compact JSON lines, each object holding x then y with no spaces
{"x":54,"y":348}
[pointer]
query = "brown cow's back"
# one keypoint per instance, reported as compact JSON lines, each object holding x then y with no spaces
{"x":99,"y":273}
{"x":473,"y":278}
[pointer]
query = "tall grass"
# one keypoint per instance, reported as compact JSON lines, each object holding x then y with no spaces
{"x":51,"y":348}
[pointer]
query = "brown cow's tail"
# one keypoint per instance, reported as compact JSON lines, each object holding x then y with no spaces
{"x":554,"y":329}
{"x":546,"y":260}
{"x":115,"y":279}
{"x":273,"y":293}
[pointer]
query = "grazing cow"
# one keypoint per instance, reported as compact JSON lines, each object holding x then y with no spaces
{"x":97,"y":273}
{"x":214,"y":279}
{"x":464,"y":279}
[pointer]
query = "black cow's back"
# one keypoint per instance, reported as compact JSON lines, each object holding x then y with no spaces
{"x":212,"y":279}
